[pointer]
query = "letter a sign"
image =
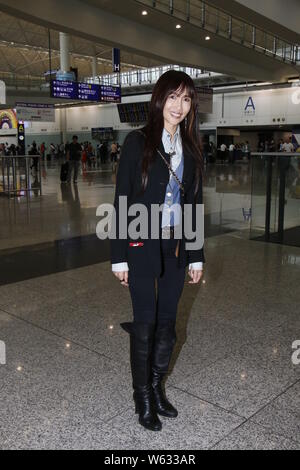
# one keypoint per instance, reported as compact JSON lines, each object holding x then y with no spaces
{"x":250,"y":106}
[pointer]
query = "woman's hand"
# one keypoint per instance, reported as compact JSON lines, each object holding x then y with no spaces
{"x":196,"y":276}
{"x":123,"y":278}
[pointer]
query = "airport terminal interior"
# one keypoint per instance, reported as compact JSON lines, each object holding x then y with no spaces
{"x":65,"y":379}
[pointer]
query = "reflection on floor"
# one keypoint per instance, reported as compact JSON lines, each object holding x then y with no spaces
{"x":56,"y":232}
{"x":66,"y":212}
{"x":291,"y":237}
{"x":66,"y":383}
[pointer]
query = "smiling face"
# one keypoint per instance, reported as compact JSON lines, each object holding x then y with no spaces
{"x":177,"y":107}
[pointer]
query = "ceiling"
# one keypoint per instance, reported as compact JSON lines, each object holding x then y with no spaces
{"x":119,"y":23}
{"x":24,"y":51}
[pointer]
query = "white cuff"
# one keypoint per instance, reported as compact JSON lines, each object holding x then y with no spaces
{"x":196,"y":267}
{"x":119,"y":267}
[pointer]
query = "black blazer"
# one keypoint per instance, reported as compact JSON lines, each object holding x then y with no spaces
{"x":147,"y":259}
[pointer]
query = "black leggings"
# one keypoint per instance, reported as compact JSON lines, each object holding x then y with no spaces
{"x":149,"y":307}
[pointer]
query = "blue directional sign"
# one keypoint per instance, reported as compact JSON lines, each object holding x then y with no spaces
{"x":110,"y":94}
{"x":85,"y":92}
{"x":65,"y":90}
{"x":89,"y":92}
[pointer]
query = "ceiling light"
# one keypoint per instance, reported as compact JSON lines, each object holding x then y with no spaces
{"x":144,"y":13}
{"x":207,"y":38}
{"x":178,"y":26}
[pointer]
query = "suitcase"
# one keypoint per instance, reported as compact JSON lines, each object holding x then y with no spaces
{"x":64,"y":172}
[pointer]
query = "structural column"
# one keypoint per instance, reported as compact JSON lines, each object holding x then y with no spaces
{"x":94,"y":67}
{"x":64,"y":40}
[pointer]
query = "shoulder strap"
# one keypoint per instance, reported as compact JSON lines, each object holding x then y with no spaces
{"x":172,"y":172}
{"x":169,"y":167}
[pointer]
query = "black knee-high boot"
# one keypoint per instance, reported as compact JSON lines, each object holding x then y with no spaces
{"x":141,"y":343}
{"x":164,"y":342}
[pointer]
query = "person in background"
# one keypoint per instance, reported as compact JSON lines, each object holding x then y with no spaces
{"x":247,"y":150}
{"x":35,"y":156}
{"x":103,"y":153}
{"x":272,"y":146}
{"x":84,"y":159}
{"x":74,"y":157}
{"x":61,"y":151}
{"x":43,"y":150}
{"x":91,"y":155}
{"x":223,"y":152}
{"x":288,"y":146}
{"x":231,"y":153}
{"x":114,"y":156}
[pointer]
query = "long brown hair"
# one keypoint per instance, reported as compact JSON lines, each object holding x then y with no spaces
{"x":171,"y":82}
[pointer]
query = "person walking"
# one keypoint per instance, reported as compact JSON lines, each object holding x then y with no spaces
{"x":231,"y":153}
{"x":114,"y":156}
{"x":43,"y":150}
{"x":160,"y":165}
{"x":74,"y":158}
{"x":223,"y":152}
{"x":288,"y":146}
{"x":35,"y":157}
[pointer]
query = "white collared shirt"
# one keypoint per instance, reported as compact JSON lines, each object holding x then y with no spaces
{"x":173,"y":145}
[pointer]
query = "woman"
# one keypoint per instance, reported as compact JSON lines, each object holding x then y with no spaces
{"x":161,"y":165}
{"x":114,"y":156}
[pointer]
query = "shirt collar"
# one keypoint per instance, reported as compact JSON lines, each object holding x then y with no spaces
{"x":167,"y":136}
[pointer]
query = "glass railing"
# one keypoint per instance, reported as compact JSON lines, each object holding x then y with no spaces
{"x":146,"y":76}
{"x":276,"y":198}
{"x":17,"y":178}
{"x":211,"y":19}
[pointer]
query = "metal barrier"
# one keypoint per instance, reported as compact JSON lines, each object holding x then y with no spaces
{"x":15,"y":177}
{"x":276,"y":197}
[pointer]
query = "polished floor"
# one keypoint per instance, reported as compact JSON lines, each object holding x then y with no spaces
{"x":66,"y":383}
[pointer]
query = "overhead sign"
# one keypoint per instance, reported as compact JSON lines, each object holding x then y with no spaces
{"x":205,"y":100}
{"x":33,"y":112}
{"x":65,"y":90}
{"x":85,"y":92}
{"x":89,"y":92}
{"x":116,"y":60}
{"x":110,"y":94}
